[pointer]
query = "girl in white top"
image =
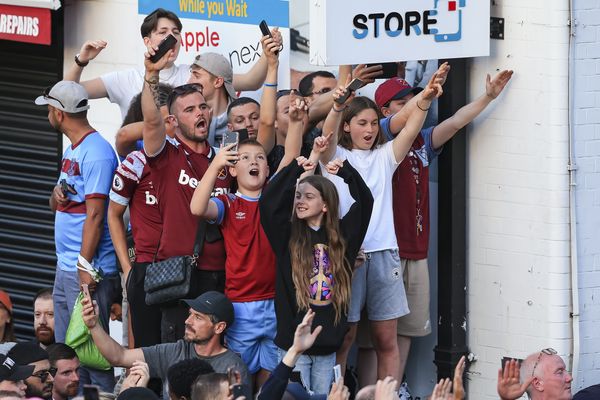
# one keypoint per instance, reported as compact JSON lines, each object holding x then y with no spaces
{"x":377,"y":283}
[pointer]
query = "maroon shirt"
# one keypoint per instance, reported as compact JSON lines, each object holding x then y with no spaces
{"x":132,"y":186}
{"x":176,"y":171}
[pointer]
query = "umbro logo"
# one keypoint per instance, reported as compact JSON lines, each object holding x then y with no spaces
{"x":240,"y":215}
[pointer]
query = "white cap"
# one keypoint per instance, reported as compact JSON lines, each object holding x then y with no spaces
{"x":67,"y":96}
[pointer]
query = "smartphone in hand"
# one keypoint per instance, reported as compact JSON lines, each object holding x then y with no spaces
{"x":388,"y":70}
{"x":231,"y":137}
{"x":264,"y":28}
{"x":337,"y":373}
{"x":167,"y":44}
{"x":352,"y":87}
{"x":86,"y":293}
{"x":91,"y":392}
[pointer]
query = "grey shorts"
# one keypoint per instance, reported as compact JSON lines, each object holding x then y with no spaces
{"x":378,"y":285}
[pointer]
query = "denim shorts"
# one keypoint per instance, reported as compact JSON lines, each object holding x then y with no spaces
{"x":377,"y":285}
{"x":252,"y":333}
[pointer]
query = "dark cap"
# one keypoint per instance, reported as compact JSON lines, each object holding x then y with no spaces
{"x":393,"y":89}
{"x":137,"y":393}
{"x":589,"y":393}
{"x":11,"y":371}
{"x":27,"y":353}
{"x":214,"y":303}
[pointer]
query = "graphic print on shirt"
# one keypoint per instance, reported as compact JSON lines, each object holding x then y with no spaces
{"x":321,"y":277}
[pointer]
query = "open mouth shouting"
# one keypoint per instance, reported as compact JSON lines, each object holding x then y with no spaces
{"x":254,"y":172}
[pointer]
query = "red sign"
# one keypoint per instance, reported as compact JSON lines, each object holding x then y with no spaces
{"x":25,"y":24}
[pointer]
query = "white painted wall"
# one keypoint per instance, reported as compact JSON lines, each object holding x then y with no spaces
{"x":587,"y":152}
{"x":518,"y":231}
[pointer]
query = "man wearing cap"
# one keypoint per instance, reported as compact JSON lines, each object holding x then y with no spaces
{"x":13,"y":375}
{"x":83,"y":247}
{"x":41,"y":380}
{"x":397,"y":99}
{"x":210,"y":315}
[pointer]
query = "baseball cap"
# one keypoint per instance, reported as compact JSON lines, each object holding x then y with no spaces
{"x":214,"y":303}
{"x":67,"y":96}
{"x":217,"y":65}
{"x":5,"y":300}
{"x":11,"y":371}
{"x":27,"y":353}
{"x":393,"y":89}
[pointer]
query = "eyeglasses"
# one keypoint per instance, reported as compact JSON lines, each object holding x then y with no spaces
{"x":182,"y":90}
{"x":319,"y":92}
{"x":46,"y":94}
{"x":549,"y":352}
{"x":43,"y":375}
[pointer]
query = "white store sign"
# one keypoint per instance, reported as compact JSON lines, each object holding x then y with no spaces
{"x":353,"y":32}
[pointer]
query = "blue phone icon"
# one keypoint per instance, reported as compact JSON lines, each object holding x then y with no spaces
{"x":449,"y":19}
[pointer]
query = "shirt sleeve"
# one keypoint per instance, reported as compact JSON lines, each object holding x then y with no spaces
{"x":127,"y":178}
{"x":159,"y":358}
{"x":431,"y":152}
{"x":385,"y":128}
{"x":97,"y":173}
{"x":221,"y":207}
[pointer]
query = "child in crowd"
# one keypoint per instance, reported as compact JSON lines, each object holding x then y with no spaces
{"x":315,"y":252}
{"x":378,"y":282}
{"x":250,"y":264}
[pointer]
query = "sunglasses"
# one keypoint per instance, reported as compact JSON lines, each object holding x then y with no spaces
{"x":46,"y":94}
{"x":549,"y":352}
{"x":319,"y":92}
{"x":43,"y":375}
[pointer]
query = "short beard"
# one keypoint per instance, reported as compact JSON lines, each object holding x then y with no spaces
{"x":44,"y":339}
{"x":185,"y":132}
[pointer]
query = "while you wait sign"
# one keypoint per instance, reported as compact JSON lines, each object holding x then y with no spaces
{"x":352,"y":32}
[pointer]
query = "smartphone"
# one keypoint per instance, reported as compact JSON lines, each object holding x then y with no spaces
{"x":337,"y":373}
{"x":91,"y":392}
{"x":66,"y":188}
{"x":389,"y":70}
{"x":242,"y":135}
{"x":236,"y":388}
{"x":264,"y":28}
{"x":167,"y":44}
{"x":352,"y":87}
{"x":86,"y":292}
{"x":231,"y":137}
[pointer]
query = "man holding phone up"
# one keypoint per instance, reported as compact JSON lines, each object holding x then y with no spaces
{"x":83,"y":247}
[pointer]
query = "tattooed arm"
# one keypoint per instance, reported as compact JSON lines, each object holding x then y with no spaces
{"x":154,"y":132}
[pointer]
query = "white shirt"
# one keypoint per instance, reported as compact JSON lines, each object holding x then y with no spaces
{"x":376,"y":167}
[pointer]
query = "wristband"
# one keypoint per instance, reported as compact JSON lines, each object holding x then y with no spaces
{"x":340,"y":110}
{"x":79,"y":62}
{"x":423,"y":109}
{"x":270,"y":84}
{"x":84,"y":263}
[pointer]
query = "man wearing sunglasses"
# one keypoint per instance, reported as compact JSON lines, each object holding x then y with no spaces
{"x":40,"y":383}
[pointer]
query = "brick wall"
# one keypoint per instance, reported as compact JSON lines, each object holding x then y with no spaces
{"x":518,"y":225}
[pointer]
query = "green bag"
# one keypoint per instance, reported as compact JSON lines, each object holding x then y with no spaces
{"x":78,"y":337}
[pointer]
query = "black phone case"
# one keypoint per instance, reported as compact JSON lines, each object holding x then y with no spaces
{"x":389,"y":70}
{"x":264,"y":28}
{"x":163,"y":47}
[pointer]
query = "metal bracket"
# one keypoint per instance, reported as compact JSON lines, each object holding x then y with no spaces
{"x":497,"y":28}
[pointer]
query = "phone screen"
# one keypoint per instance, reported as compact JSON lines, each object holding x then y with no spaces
{"x":91,"y":392}
{"x":231,"y":137}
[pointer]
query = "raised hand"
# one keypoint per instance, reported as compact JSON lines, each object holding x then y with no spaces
{"x":321,"y":143}
{"x":509,"y":381}
{"x":434,"y":86}
{"x":493,"y":87}
{"x":298,"y":108}
{"x":341,"y":92}
{"x":457,"y":384}
{"x":334,"y":166}
{"x":226,"y":157}
{"x":386,"y":389}
{"x":303,"y":338}
{"x":271,"y":48}
{"x":305,"y":163}
{"x":160,"y":64}
{"x":367,"y":74}
{"x":89,"y":311}
{"x":338,"y":391}
{"x":441,"y":391}
{"x":90,"y":50}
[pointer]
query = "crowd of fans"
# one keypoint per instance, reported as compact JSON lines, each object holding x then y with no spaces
{"x":306,"y":234}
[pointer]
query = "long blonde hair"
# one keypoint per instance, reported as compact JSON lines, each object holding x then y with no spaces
{"x":302,"y":255}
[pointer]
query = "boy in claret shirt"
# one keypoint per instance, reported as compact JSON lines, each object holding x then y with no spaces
{"x":250,"y":265}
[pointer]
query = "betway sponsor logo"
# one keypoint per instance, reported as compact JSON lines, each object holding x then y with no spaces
{"x":150,"y":198}
{"x":186,"y":180}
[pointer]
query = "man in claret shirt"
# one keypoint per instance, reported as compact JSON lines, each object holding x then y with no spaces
{"x":177,"y":166}
{"x":83,"y":247}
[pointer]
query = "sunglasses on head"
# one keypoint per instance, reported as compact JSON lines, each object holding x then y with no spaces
{"x":46,"y":94}
{"x":549,"y":352}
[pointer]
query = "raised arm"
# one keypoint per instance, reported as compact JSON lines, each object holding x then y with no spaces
{"x":268,"y":103}
{"x":407,"y":135}
{"x":115,"y":354}
{"x":333,"y":122}
{"x":253,"y":79}
{"x":90,"y":49}
{"x":293,"y":139}
{"x":400,"y":119}
{"x":127,"y":136}
{"x":445,"y":130}
{"x":201,"y":205}
{"x":154,"y":131}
